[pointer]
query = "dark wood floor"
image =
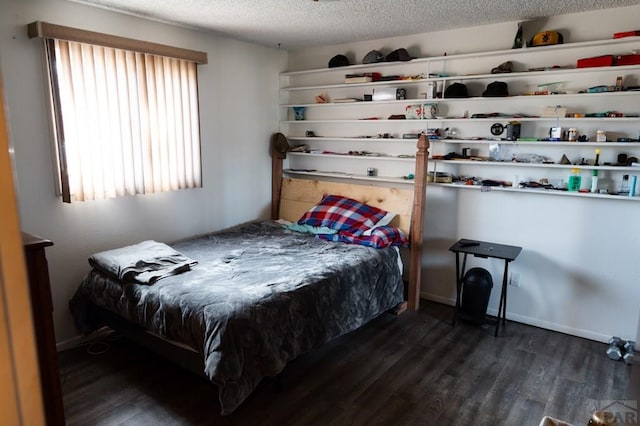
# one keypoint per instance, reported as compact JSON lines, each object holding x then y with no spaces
{"x":415,"y":369}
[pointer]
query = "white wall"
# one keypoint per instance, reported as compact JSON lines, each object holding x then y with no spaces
{"x":238,"y":109}
{"x":578,"y":268}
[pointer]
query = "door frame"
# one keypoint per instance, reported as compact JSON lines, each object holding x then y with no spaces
{"x":20,"y":391}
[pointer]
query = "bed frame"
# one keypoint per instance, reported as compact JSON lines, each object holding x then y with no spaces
{"x":290,"y":198}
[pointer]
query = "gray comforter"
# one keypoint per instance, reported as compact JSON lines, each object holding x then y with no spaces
{"x":259,"y":296}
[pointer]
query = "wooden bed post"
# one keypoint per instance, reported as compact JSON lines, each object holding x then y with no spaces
{"x":417,"y":222}
{"x":279,"y":147}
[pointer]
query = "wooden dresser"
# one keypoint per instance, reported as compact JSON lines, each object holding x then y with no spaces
{"x":42,"y":307}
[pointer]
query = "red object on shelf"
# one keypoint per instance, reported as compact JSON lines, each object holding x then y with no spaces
{"x":626,"y":34}
{"x":628,"y":60}
{"x":596,"y":61}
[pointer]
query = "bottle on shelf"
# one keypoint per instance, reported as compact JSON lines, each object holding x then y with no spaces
{"x":575,"y":180}
{"x":594,"y":181}
{"x":624,"y":186}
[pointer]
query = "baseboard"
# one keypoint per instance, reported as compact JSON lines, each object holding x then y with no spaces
{"x":74,"y":342}
{"x":71,"y":343}
{"x":438,"y":299}
{"x":598,"y":337}
{"x":81,"y":340}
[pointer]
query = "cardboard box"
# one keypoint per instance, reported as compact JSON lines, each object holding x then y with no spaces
{"x":596,"y":61}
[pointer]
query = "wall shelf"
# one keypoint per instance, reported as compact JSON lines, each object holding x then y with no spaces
{"x":504,"y":76}
{"x":514,"y":98}
{"x":538,"y":191}
{"x":622,"y":169}
{"x":350,"y":139}
{"x":539,"y":143}
{"x":354,"y":157}
{"x":505,"y":52}
{"x":471,"y":118}
{"x":477,"y":120}
{"x":343,"y":175}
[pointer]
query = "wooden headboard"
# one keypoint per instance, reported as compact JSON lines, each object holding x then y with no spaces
{"x":299,"y":195}
{"x":292,"y":197}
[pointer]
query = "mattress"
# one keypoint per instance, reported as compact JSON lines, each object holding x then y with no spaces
{"x":259,"y":296}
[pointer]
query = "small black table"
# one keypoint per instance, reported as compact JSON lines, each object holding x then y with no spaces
{"x":485,"y":250}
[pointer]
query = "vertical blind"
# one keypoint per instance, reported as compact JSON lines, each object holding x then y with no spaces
{"x":126,"y":122}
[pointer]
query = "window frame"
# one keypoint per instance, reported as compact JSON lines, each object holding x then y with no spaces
{"x":49,"y":33}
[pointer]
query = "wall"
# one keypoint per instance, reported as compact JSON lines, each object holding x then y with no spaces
{"x":238,"y":109}
{"x":578,"y":268}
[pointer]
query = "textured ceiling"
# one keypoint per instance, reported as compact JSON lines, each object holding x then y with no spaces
{"x":295,"y":24}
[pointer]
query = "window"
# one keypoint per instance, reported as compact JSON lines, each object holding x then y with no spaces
{"x":126,"y":120}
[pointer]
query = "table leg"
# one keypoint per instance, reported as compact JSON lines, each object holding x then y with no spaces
{"x":459,"y":276}
{"x":502,"y":307}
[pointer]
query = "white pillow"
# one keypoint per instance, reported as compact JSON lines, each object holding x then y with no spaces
{"x":382,"y":222}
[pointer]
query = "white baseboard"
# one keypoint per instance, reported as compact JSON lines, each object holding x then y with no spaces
{"x":438,"y":299}
{"x":74,"y":342}
{"x":548,"y":325}
{"x":71,"y":343}
{"x":81,"y":340}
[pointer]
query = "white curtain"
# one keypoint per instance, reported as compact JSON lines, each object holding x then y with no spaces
{"x":127,"y":121}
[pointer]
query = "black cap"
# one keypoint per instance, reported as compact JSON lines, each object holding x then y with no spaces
{"x":504,"y":67}
{"x":399,"y":55}
{"x":372,"y":57}
{"x":496,"y":89}
{"x":456,"y":90}
{"x":339,"y":61}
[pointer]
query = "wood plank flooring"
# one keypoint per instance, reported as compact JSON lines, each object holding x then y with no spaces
{"x":415,"y":369}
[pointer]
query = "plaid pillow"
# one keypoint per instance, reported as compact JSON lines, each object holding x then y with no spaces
{"x":383,"y":236}
{"x":343,"y":214}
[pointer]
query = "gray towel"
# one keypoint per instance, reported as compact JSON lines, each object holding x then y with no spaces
{"x":144,"y":263}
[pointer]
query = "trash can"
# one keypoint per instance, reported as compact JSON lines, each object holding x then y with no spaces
{"x":476,"y":290}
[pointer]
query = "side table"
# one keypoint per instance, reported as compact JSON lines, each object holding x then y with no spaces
{"x":485,"y":250}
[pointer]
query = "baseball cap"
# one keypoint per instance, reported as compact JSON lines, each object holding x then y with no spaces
{"x":546,"y":38}
{"x":496,"y":89}
{"x":456,"y":90}
{"x":372,"y":57}
{"x":399,"y":55}
{"x":504,"y":67}
{"x":339,"y":61}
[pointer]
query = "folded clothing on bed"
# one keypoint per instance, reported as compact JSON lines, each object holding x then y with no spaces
{"x":143,"y":263}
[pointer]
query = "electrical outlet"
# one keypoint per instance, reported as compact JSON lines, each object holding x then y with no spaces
{"x":514,"y":279}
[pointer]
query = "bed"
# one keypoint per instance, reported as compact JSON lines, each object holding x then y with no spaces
{"x":240,"y":303}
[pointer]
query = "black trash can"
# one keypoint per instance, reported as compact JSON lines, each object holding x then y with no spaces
{"x":476,"y":290}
